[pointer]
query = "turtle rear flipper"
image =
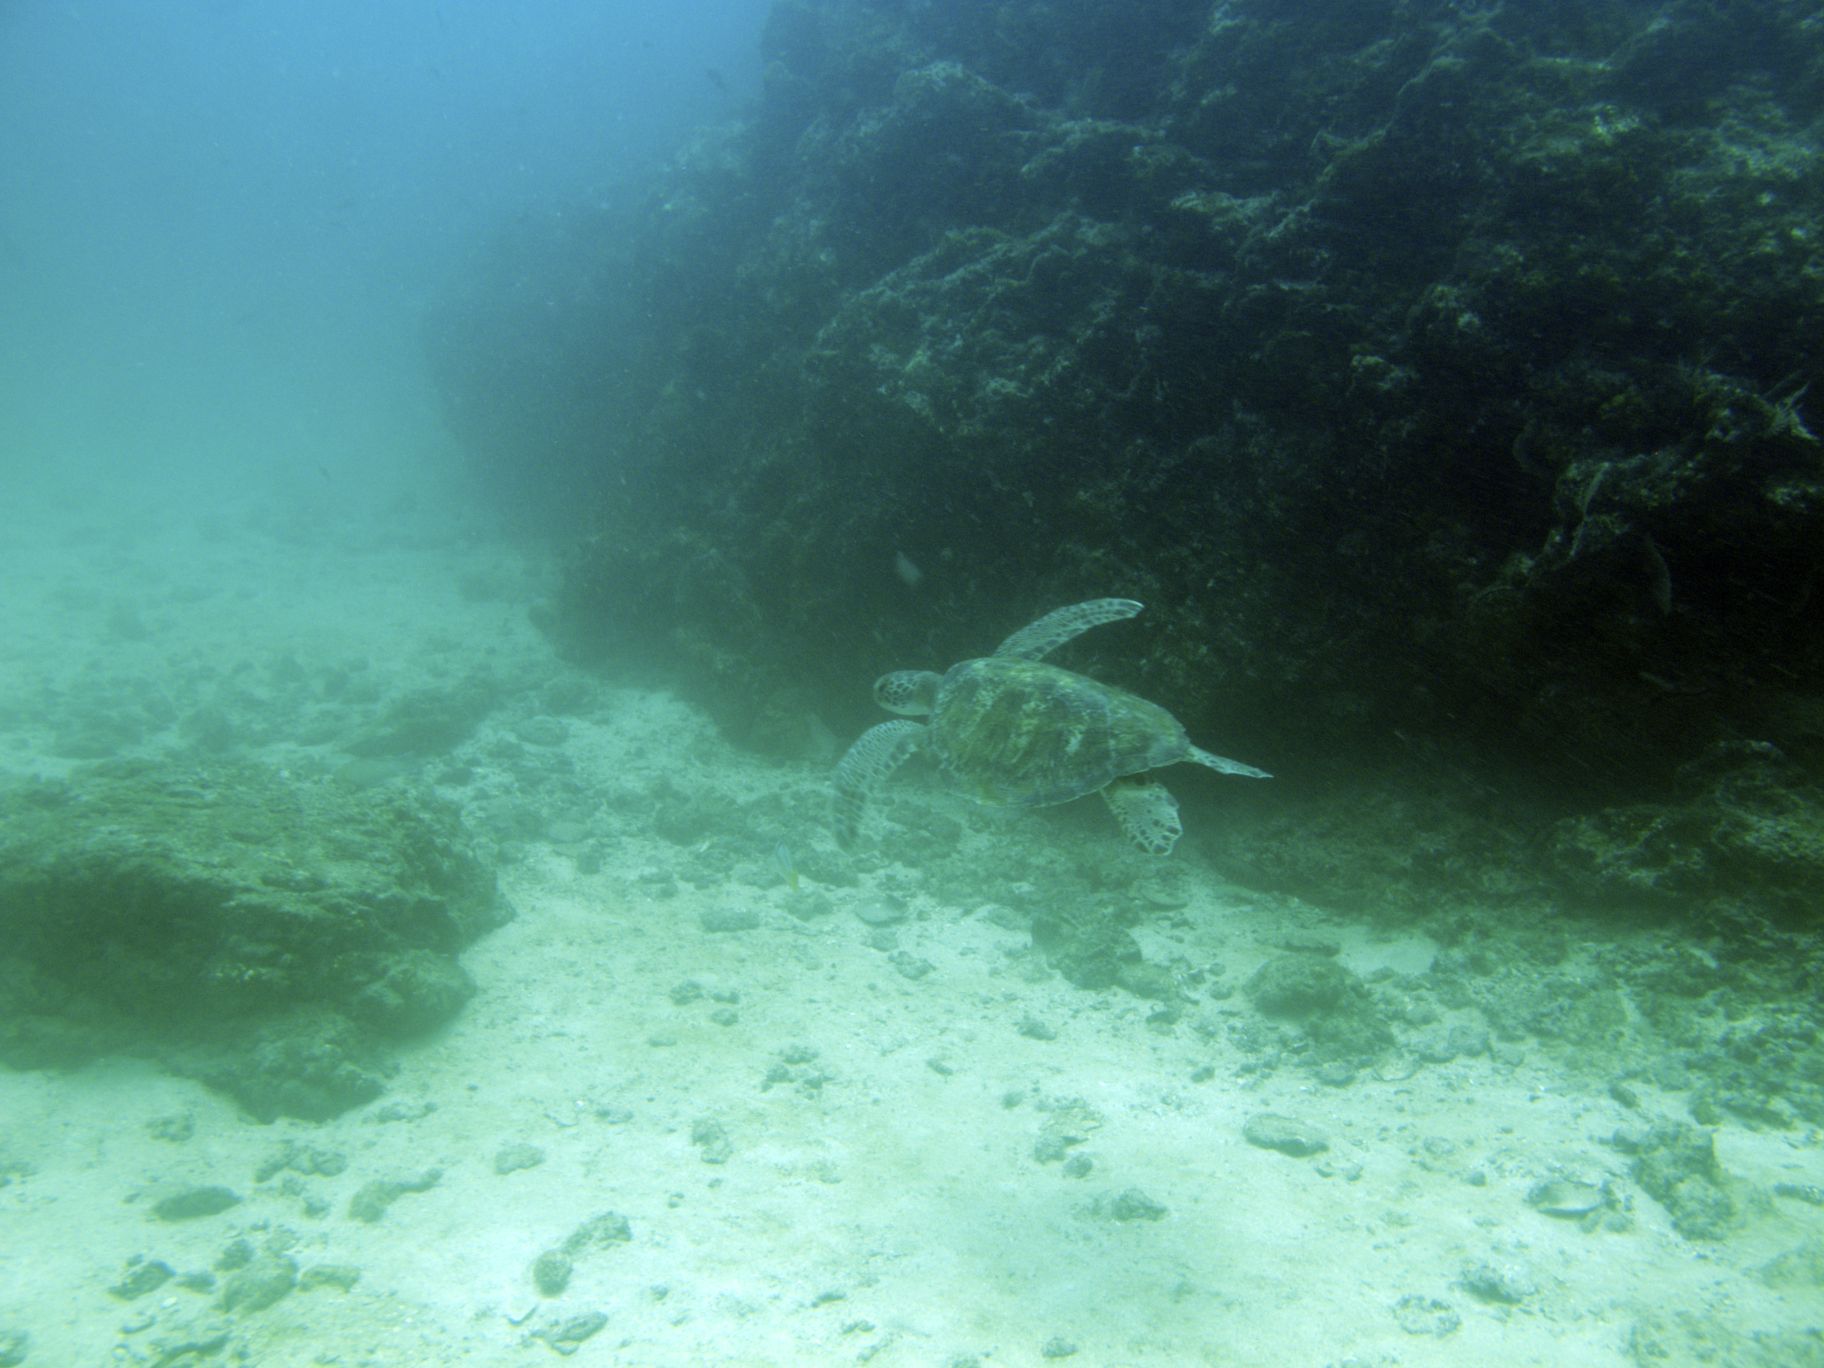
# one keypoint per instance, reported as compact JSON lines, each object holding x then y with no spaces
{"x":877,"y":752}
{"x":1039,"y":639}
{"x":1146,"y":812}
{"x":1223,"y":765}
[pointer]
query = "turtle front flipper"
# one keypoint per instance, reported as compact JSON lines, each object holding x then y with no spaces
{"x":1146,"y":812}
{"x":1040,"y":638}
{"x":877,"y":752}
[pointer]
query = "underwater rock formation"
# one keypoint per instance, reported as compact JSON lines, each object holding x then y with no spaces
{"x":1440,"y":378}
{"x":269,"y":937}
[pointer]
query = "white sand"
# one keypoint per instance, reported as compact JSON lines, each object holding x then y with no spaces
{"x":891,"y":1213}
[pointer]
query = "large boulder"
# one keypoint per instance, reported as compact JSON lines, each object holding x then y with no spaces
{"x":269,"y":935}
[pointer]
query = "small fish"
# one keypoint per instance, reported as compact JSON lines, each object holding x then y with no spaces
{"x":782,"y":856}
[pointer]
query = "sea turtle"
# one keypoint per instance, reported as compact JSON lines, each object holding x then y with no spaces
{"x":1012,"y":730}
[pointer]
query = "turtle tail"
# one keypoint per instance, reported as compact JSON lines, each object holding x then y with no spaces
{"x":1222,"y":764}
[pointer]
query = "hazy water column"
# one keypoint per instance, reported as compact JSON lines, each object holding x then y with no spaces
{"x":220,"y":221}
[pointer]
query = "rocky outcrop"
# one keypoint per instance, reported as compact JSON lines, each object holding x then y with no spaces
{"x":1440,"y":379}
{"x":272,"y":938}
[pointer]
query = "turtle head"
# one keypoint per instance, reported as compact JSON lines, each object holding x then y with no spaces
{"x":911,"y":692}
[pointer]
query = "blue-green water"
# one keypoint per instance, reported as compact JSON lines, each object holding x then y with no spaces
{"x":462,"y":468}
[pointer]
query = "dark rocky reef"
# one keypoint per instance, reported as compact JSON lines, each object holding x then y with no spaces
{"x":269,"y":937}
{"x":1441,"y":377}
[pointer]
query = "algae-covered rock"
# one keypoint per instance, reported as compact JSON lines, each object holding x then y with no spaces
{"x":551,"y":1272}
{"x":598,"y":1232}
{"x":1300,"y":985}
{"x":312,"y":1064}
{"x":1744,"y":817}
{"x":265,"y":933}
{"x":412,"y":991}
{"x":426,"y":722}
{"x":1665,"y":1338}
{"x":187,"y":1204}
{"x":568,"y":1335}
{"x":1327,"y":1001}
{"x":1088,"y":946}
{"x":552,"y":1269}
{"x":142,"y":1276}
{"x":370,"y":1203}
{"x":266,"y":1279}
{"x":1675,"y":1163}
{"x":1288,"y":1135}
{"x":1799,"y":1269}
{"x":342,"y":1277}
{"x":1130,"y":1204}
{"x":1418,"y":1315}
{"x":512,"y":1158}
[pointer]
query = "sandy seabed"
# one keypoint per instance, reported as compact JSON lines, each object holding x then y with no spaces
{"x":832,"y":1139}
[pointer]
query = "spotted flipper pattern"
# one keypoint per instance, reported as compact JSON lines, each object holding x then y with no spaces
{"x":1146,"y":813}
{"x":877,"y":752}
